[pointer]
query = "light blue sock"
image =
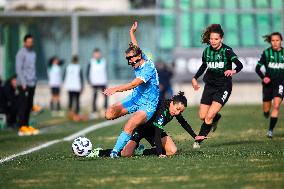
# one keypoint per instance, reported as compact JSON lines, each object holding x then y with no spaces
{"x":121,"y":141}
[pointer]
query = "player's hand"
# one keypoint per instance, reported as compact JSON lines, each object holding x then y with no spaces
{"x":195,"y":84}
{"x":266,"y":80}
{"x":162,"y":156}
{"x":229,"y":73}
{"x":200,"y":137}
{"x":134,"y":27}
{"x":110,"y":91}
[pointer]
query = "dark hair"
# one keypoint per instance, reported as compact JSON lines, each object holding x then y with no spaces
{"x":180,"y":98}
{"x":97,"y":50}
{"x":75,"y":59}
{"x":268,"y":37}
{"x":213,"y":28}
{"x":50,"y":61}
{"x":133,"y":48}
{"x":27,"y":36}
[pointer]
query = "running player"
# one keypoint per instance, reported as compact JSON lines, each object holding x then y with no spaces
{"x":153,"y":131}
{"x":142,"y":102}
{"x":217,"y":58}
{"x":273,"y":79}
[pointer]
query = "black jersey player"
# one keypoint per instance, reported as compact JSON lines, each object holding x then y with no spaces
{"x":273,"y":79}
{"x":217,"y":59}
{"x":153,"y":130}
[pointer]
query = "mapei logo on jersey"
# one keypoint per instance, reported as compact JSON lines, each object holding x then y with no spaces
{"x":276,"y":65}
{"x":215,"y":64}
{"x":161,"y":120}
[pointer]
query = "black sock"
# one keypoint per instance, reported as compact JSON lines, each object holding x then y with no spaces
{"x":204,"y":131}
{"x":106,"y":153}
{"x":266,"y":115}
{"x":151,"y":151}
{"x":217,"y":117}
{"x":273,"y":121}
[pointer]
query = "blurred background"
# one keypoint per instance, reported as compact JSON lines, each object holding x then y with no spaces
{"x":169,"y":32}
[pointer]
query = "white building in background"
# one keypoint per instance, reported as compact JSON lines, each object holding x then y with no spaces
{"x":66,"y":5}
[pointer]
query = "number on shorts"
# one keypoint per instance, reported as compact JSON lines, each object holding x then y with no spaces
{"x":280,"y":90}
{"x":225,"y":95}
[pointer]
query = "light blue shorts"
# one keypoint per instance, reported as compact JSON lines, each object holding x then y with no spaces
{"x":131,"y":106}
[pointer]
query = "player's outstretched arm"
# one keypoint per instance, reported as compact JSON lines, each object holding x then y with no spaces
{"x":125,"y":87}
{"x":132,"y":31}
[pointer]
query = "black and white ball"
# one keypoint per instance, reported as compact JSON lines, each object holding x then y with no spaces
{"x":81,"y":146}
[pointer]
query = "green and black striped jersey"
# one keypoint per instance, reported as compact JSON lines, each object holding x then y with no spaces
{"x":217,"y":62}
{"x":273,"y":61}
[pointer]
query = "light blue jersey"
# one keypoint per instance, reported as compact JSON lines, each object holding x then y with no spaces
{"x":144,"y":97}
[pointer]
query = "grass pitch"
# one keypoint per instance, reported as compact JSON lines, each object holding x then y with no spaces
{"x":238,"y":155}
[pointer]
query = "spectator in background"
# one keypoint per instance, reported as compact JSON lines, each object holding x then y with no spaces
{"x":97,"y":78}
{"x":26,"y":81}
{"x":74,"y":84}
{"x":55,"y":82}
{"x":11,"y":93}
{"x":165,"y":76}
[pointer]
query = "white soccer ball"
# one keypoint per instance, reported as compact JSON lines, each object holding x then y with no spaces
{"x":81,"y":146}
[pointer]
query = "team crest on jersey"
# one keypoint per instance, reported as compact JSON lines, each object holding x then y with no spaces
{"x":219,"y":56}
{"x":161,"y":120}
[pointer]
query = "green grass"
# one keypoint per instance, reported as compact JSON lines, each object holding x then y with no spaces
{"x":238,"y":155}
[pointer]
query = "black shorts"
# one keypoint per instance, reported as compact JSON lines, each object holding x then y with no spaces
{"x":55,"y":90}
{"x":271,"y":90}
{"x":147,"y":132}
{"x":216,"y":93}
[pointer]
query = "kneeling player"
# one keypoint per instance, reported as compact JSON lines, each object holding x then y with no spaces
{"x":153,"y":131}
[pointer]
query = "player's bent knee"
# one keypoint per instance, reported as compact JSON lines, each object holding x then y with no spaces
{"x":125,"y":153}
{"x":276,"y":107}
{"x":172,"y":151}
{"x":110,"y":114}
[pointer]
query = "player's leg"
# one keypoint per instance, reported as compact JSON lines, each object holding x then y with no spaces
{"x":203,"y":110}
{"x":207,"y":124}
{"x":169,"y":145}
{"x":129,"y":149}
{"x":138,"y":118}
{"x":267,"y":96}
{"x":274,"y":115}
{"x":266,"y":105}
{"x":115,"y":111}
{"x":95,"y":91}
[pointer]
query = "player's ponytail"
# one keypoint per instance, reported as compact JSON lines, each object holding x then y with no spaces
{"x":180,"y":98}
{"x":133,"y":48}
{"x":267,"y":38}
{"x":214,"y":28}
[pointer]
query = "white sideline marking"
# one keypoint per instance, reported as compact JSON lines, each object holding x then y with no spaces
{"x":68,"y":138}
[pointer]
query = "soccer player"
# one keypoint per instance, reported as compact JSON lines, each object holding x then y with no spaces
{"x":74,"y":84}
{"x":217,"y":58}
{"x":97,"y":78}
{"x":153,"y":130}
{"x":55,"y":75}
{"x":273,"y":80}
{"x":142,"y":102}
